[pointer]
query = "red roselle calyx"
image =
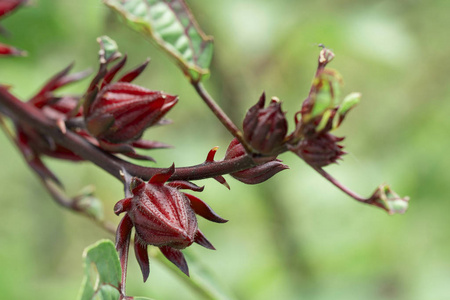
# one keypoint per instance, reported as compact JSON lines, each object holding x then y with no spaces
{"x":163,"y":217}
{"x":265,"y":128}
{"x":268,"y":166}
{"x":320,"y":150}
{"x":122,"y":111}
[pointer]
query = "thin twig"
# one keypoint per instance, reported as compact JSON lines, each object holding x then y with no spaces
{"x":221,"y":115}
{"x":340,"y":186}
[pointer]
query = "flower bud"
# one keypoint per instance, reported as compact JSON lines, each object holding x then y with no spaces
{"x":385,"y":198}
{"x":122,"y":111}
{"x":265,"y":128}
{"x":320,"y":150}
{"x":163,"y":217}
{"x":268,"y":167}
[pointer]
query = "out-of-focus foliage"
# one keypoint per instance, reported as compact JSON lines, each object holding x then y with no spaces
{"x":295,"y":236}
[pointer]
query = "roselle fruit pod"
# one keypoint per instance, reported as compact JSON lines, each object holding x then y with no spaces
{"x":319,"y":151}
{"x":121,"y":111}
{"x":164,"y":217}
{"x":269,"y":166}
{"x":265,"y":128}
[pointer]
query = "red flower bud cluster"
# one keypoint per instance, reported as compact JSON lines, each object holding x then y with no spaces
{"x":60,"y":109}
{"x":163,"y":217}
{"x":265,"y":128}
{"x":321,"y":113}
{"x":118,"y":113}
{"x":122,"y":111}
{"x":268,"y":167}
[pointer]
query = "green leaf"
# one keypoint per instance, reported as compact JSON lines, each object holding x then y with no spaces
{"x":172,"y":26}
{"x":92,"y":206}
{"x":108,"y":47}
{"x":347,"y":104}
{"x":102,"y":272}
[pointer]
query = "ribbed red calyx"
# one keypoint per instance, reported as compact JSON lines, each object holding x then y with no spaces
{"x":122,"y":111}
{"x":265,"y":128}
{"x":164,"y":217}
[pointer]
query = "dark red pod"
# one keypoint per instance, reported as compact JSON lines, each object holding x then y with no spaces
{"x":164,"y":217}
{"x":265,"y":128}
{"x":269,"y":166}
{"x":121,"y":111}
{"x":320,"y":150}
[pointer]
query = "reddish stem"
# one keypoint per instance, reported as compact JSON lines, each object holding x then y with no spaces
{"x":24,"y":113}
{"x":221,"y":115}
{"x":340,"y":186}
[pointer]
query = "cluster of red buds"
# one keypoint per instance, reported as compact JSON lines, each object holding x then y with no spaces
{"x":6,"y":8}
{"x":265,"y":129}
{"x":34,"y":144}
{"x":321,"y":113}
{"x":113,"y":116}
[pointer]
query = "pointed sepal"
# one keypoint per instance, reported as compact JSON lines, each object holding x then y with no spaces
{"x":140,"y":250}
{"x":162,"y":177}
{"x":203,"y":241}
{"x":202,"y":209}
{"x":131,"y":75}
{"x":123,"y":235}
{"x":176,"y":257}
{"x":181,"y":184}
{"x":122,"y":206}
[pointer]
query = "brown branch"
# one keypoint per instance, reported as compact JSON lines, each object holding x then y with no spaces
{"x":27,"y":114}
{"x":221,"y":115}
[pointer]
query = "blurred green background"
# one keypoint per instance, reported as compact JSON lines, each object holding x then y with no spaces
{"x":295,"y":236}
